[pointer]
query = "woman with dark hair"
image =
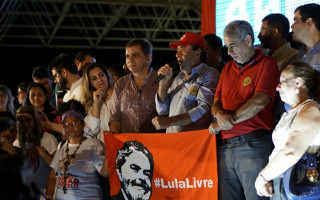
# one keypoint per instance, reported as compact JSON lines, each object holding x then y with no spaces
{"x":37,"y":145}
{"x":6,"y":100}
{"x":8,"y":134}
{"x":298,"y":130}
{"x":22,"y":92}
{"x":78,"y":160}
{"x":37,"y":97}
{"x":97,"y":88}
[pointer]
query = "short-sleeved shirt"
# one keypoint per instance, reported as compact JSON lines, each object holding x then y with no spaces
{"x":134,"y":108}
{"x":193,"y":95}
{"x":238,"y":84}
{"x":82,"y":181}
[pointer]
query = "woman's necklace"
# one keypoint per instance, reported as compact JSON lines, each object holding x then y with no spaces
{"x":67,"y":163}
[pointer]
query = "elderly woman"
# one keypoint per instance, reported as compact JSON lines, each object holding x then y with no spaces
{"x":97,"y":88}
{"x":77,"y":162}
{"x":297,"y":130}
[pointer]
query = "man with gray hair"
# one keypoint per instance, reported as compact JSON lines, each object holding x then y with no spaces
{"x":242,"y":107}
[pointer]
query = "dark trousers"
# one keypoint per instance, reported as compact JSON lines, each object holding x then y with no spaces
{"x":240,"y":159}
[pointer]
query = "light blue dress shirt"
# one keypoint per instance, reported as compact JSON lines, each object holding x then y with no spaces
{"x":194,"y":95}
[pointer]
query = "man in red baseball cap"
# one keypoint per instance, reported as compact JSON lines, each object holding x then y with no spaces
{"x":189,"y":38}
{"x":185,"y":105}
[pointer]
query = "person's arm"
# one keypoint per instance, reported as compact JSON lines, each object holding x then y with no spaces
{"x":53,"y":126}
{"x":224,"y":120}
{"x":44,"y":154}
{"x":51,"y":185}
{"x":97,"y":103}
{"x":164,"y":83}
{"x":251,"y":108}
{"x":303,"y":131}
{"x":45,"y":122}
{"x":104,"y":170}
{"x":161,"y":122}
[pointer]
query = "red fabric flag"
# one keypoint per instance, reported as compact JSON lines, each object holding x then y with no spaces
{"x":185,"y":165}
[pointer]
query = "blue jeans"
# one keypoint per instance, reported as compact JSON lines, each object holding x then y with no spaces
{"x":239,"y":166}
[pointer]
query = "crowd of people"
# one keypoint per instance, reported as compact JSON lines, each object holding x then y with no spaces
{"x":262,"y":102}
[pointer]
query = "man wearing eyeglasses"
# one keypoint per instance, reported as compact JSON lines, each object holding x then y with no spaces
{"x":65,"y":74}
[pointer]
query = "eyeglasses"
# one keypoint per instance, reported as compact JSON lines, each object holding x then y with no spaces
{"x":73,"y":124}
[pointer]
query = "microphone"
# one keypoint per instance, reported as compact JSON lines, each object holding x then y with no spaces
{"x":173,"y":64}
{"x":158,"y":79}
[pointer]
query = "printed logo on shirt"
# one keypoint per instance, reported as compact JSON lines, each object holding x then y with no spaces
{"x":194,"y":90}
{"x":246,"y":81}
{"x":72,"y":183}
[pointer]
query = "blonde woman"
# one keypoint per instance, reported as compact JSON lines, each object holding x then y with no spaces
{"x":97,"y":89}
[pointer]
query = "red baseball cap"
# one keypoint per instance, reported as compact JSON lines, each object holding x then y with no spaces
{"x":189,"y":38}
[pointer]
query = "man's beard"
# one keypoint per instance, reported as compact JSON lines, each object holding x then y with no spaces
{"x":63,"y":83}
{"x":136,"y":194}
{"x":265,"y":43}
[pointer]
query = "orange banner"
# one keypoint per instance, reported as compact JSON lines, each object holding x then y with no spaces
{"x":162,"y":166}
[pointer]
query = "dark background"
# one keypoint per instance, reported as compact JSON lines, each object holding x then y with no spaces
{"x":17,"y":63}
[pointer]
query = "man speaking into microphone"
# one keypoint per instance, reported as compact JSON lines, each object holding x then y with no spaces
{"x":185,"y":105}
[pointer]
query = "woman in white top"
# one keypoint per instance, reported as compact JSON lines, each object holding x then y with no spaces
{"x":97,"y":88}
{"x":297,"y":130}
{"x":78,"y":160}
{"x":39,"y":146}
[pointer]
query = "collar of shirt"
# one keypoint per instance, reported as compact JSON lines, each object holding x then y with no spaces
{"x":146,"y":79}
{"x":315,"y":47}
{"x":194,"y":72}
{"x":257,"y":58}
{"x":281,"y":51}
